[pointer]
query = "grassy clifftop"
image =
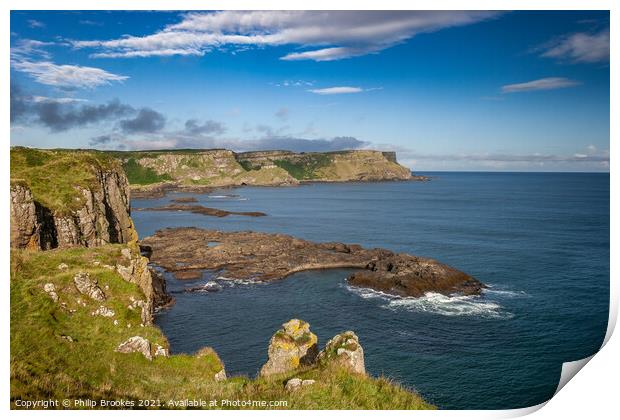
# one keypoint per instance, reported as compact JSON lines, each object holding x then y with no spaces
{"x":53,"y":175}
{"x":59,"y":349}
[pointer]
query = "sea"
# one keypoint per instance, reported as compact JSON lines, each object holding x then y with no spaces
{"x":540,"y":241}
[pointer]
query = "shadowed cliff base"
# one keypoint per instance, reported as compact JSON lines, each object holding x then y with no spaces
{"x":267,"y":257}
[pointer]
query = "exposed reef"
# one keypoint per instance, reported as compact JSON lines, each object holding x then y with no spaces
{"x":198,"y":209}
{"x":266,"y":257}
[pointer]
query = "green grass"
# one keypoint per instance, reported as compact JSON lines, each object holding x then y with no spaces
{"x":304,"y":168}
{"x":247,"y":165}
{"x":140,"y":175}
{"x":46,"y":366}
{"x":53,"y":175}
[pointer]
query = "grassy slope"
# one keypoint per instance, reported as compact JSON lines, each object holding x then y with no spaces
{"x":45,"y":365}
{"x":52,"y":175}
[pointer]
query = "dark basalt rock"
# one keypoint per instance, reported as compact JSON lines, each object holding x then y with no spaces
{"x":198,"y":209}
{"x":266,"y":257}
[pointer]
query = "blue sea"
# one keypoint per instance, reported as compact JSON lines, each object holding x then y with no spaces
{"x":539,"y":240}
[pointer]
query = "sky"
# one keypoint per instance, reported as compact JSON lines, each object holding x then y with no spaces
{"x":447,"y":90}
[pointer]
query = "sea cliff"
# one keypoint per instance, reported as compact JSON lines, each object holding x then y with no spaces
{"x":157,"y":171}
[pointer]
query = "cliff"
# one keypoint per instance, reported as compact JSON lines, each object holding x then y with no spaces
{"x":218,"y":168}
{"x":63,"y":198}
{"x":78,"y":332}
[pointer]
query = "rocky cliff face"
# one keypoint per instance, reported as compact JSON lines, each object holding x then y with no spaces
{"x":218,"y":168}
{"x":341,"y":166}
{"x":99,"y":215}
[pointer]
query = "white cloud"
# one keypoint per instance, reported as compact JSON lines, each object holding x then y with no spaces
{"x":336,"y":90}
{"x":547,"y":83}
{"x":66,"y":76}
{"x":336,"y":34}
{"x":580,"y":47}
{"x":40,"y":99}
{"x":35,"y":23}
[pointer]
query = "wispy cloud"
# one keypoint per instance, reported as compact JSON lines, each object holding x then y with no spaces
{"x":580,"y":47}
{"x":326,"y":35}
{"x":547,"y":83}
{"x":66,"y":76}
{"x":336,"y":90}
{"x":35,"y":23}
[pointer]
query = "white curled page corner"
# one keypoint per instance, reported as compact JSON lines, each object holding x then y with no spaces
{"x":569,"y":370}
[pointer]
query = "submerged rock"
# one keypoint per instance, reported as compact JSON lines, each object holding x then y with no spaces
{"x":88,"y":286}
{"x":344,"y":350}
{"x":292,"y":346}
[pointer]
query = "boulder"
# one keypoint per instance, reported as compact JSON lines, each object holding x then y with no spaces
{"x":50,"y":289}
{"x":291,"y":347}
{"x":103,"y":311}
{"x":344,"y":350}
{"x":88,"y":286}
{"x":62,"y":266}
{"x":296,"y":383}
{"x":161,"y":351}
{"x":136,"y":344}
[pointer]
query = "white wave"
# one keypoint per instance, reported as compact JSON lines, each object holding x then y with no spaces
{"x":505,"y":293}
{"x":436,"y":303}
{"x":234,"y":281}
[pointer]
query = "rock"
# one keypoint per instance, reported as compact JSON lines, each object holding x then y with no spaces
{"x":88,"y":286}
{"x":293,"y":384}
{"x":291,"y":347}
{"x":116,"y":322}
{"x":161,"y":351}
{"x":50,"y":289}
{"x":220,"y":376}
{"x":67,"y":337}
{"x":62,"y":266}
{"x":266,"y":257}
{"x":136,"y":344}
{"x":344,"y":350}
{"x":126,"y":252}
{"x":210,"y":286}
{"x":307,"y":382}
{"x":103,"y":311}
{"x":205,"y":211}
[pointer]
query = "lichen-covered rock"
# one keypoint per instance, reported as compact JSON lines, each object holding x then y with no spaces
{"x":63,"y":266}
{"x":104,"y":312}
{"x":88,"y":286}
{"x":161,"y":351}
{"x":296,"y":383}
{"x":150,"y":282}
{"x":50,"y":289}
{"x":136,"y":344}
{"x":220,"y":376}
{"x":292,"y":346}
{"x":344,"y":350}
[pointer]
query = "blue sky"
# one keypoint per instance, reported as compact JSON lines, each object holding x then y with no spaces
{"x":446,"y":90}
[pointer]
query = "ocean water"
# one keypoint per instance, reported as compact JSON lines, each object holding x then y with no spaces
{"x":539,"y":240}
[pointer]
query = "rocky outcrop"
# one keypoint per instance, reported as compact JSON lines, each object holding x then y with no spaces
{"x":291,"y":347}
{"x":101,"y":218}
{"x":138,"y":344}
{"x":88,"y":286}
{"x":296,"y":383}
{"x":344,"y":351}
{"x":134,"y":268}
{"x":205,"y":211}
{"x":265,"y":257}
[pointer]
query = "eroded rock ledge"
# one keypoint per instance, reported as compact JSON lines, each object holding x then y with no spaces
{"x":266,"y":257}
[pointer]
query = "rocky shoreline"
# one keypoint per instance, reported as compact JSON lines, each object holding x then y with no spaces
{"x":256,"y":256}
